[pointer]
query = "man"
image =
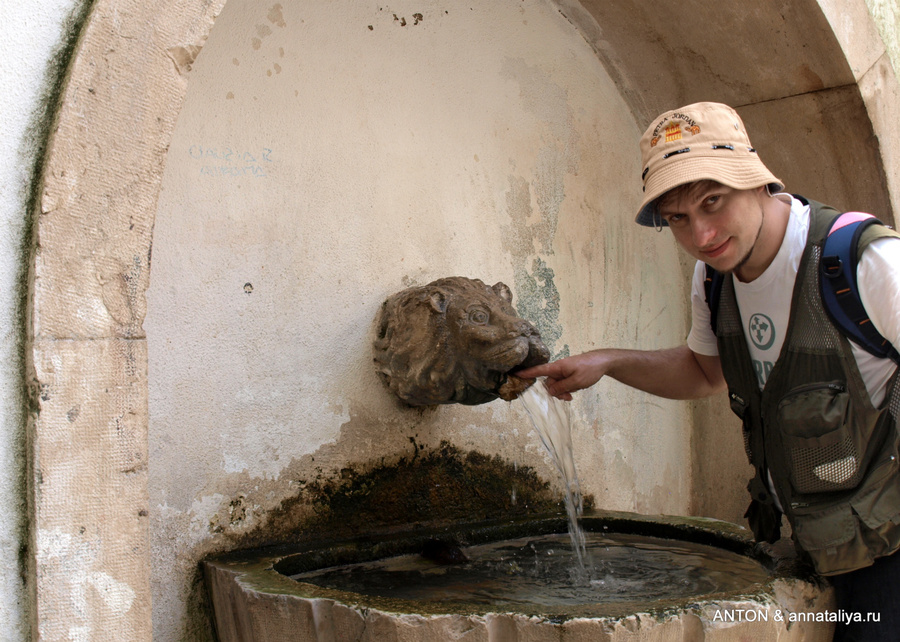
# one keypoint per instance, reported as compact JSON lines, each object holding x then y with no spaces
{"x":814,"y":406}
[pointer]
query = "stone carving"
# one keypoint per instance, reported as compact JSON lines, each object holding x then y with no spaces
{"x":454,"y":341}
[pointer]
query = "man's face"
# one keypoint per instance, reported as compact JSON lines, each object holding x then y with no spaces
{"x":720,"y":226}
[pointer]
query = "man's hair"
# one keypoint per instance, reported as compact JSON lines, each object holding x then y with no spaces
{"x":682,"y":191}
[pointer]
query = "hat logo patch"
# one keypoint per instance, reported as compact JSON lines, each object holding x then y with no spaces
{"x":673,"y":131}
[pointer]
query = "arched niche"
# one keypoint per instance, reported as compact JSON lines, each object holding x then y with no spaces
{"x":806,"y":77}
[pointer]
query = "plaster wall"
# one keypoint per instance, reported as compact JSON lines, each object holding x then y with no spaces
{"x":330,"y":154}
{"x":31,"y":37}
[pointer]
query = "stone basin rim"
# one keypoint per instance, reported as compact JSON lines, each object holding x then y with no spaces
{"x":266,"y":570}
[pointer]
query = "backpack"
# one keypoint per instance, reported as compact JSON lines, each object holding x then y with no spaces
{"x":837,"y":283}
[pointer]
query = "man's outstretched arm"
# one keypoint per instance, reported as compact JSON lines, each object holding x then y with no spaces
{"x":676,"y":373}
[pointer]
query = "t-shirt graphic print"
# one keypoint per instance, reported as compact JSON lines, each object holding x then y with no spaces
{"x":761,"y":333}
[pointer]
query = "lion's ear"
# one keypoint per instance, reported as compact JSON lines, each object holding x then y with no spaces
{"x":438,"y":302}
{"x":503,"y":291}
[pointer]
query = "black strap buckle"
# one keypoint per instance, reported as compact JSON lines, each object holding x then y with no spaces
{"x":832,"y":267}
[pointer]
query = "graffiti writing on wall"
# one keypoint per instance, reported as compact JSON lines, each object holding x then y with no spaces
{"x":230,"y":162}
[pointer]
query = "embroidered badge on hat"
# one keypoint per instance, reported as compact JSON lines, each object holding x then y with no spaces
{"x":673,"y":131}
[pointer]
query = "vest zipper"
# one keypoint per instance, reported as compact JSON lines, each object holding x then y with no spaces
{"x":837,"y":387}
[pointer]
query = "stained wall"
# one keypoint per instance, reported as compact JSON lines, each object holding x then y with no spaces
{"x":331,"y":154}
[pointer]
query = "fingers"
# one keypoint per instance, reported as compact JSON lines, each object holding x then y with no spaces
{"x":543,"y":370}
{"x":564,"y":396}
{"x":552,"y":385}
{"x":558,"y":389}
{"x":565,"y":376}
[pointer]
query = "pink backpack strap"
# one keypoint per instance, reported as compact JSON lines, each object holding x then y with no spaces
{"x":848,"y":218}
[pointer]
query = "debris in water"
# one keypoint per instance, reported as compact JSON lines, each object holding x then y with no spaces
{"x":443,"y":553}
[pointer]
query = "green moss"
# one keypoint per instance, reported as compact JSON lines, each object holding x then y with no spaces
{"x":538,"y":301}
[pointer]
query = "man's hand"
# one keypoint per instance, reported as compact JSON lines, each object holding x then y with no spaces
{"x":677,"y":373}
{"x":570,"y":374}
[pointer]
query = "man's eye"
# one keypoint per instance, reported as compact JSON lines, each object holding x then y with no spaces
{"x":478,"y":316}
{"x":712,"y":200}
{"x":675,"y":219}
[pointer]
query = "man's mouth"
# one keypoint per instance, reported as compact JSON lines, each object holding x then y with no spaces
{"x":716,"y":250}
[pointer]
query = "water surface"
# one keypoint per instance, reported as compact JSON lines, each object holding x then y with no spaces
{"x":541,"y":571}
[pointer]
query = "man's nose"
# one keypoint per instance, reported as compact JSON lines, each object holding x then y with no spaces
{"x":703,"y":232}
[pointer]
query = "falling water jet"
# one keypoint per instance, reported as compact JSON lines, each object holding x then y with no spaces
{"x":552,"y":420}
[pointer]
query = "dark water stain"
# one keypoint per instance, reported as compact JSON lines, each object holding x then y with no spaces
{"x":429,"y":488}
{"x":442,"y":485}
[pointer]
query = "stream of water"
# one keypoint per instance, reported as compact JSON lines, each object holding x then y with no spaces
{"x":552,"y":420}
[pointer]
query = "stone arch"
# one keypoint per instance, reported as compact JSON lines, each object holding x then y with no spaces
{"x":87,"y":350}
{"x":93,"y":240}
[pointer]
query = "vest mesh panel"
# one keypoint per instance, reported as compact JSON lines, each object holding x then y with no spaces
{"x":836,"y":467}
{"x":817,"y":470}
{"x":813,"y":332}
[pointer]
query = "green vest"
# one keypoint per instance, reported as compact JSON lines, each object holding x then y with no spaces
{"x":833,"y":457}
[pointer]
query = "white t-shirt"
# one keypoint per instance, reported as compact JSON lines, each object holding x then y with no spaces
{"x":765,"y":303}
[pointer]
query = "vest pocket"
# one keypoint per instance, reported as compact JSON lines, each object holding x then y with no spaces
{"x":850,"y":534}
{"x":878,"y":501}
{"x":824,"y":454}
{"x":832,"y":539}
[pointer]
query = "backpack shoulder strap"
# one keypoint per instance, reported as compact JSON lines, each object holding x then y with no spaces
{"x":837,"y":281}
{"x":712,"y":285}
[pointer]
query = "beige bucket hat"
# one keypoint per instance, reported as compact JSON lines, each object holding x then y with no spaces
{"x":698,"y":142}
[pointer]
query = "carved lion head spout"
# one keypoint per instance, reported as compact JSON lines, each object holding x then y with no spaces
{"x":454,"y":341}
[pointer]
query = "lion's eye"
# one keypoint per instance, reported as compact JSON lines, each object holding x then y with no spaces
{"x":478,"y":316}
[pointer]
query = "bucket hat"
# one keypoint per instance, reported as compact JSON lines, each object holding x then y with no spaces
{"x":698,"y":142}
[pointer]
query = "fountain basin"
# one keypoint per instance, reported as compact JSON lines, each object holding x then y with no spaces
{"x":255,"y":598}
